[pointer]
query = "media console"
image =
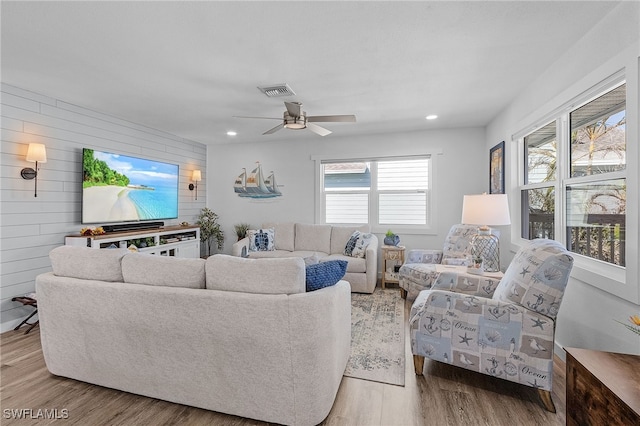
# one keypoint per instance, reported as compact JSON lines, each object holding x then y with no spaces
{"x":180,"y":241}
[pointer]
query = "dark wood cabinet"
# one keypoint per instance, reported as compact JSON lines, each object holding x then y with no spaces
{"x":603,"y":388}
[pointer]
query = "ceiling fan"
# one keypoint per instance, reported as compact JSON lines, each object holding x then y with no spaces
{"x":296,"y":119}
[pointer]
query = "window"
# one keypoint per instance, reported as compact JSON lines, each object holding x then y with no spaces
{"x":580,"y":200}
{"x":386,"y":191}
{"x":540,"y":180}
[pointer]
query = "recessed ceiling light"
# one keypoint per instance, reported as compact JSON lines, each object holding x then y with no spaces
{"x":431,"y":117}
{"x":231,"y":133}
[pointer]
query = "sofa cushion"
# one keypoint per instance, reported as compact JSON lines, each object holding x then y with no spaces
{"x":355,"y":264}
{"x":314,"y":259}
{"x":285,"y":253}
{"x":263,"y":276}
{"x":341,"y":234}
{"x":357,"y":244}
{"x":88,"y":263}
{"x":269,"y":254}
{"x":170,"y":271}
{"x":325,"y":274}
{"x":261,"y":239}
{"x":313,"y":237}
{"x":284,"y":235}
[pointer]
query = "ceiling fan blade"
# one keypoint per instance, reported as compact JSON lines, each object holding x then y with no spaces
{"x":332,"y":118}
{"x":317,"y":129}
{"x":293,"y":109}
{"x":275,"y":129}
{"x":263,"y":118}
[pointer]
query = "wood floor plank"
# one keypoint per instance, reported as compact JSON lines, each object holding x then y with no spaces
{"x":444,"y":395}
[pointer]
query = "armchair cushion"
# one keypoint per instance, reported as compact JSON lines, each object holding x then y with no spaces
{"x":457,"y":245}
{"x":537,"y":277}
{"x":483,"y":335}
{"x":465,"y":283}
{"x":424,"y":256}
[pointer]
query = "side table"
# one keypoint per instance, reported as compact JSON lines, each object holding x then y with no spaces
{"x":392,"y":257}
{"x":602,"y":388}
{"x":27,"y":301}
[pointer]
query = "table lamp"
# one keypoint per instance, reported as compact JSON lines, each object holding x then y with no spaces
{"x":484,"y":210}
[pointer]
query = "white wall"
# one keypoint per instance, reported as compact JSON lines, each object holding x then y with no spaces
{"x":587,"y":314}
{"x":461,"y":168}
{"x":30,"y":227}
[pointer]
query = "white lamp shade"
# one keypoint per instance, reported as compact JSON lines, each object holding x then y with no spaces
{"x":196,"y":176}
{"x":486,"y":209}
{"x":37,"y":152}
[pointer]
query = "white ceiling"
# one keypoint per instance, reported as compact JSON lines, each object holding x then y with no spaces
{"x":188,"y":67}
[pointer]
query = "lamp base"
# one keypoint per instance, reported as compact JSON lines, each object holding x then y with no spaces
{"x":487,"y":246}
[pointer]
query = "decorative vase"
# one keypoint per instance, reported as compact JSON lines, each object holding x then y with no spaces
{"x":393,"y":240}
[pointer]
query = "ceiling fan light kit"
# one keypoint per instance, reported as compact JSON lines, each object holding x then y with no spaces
{"x":296,"y":123}
{"x":296,"y":119}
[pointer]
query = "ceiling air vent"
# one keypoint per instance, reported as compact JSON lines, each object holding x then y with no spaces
{"x":277,"y":90}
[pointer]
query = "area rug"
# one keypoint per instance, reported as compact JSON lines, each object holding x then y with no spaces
{"x":377,"y":337}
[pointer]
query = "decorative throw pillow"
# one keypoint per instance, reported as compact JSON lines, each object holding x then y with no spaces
{"x":325,"y":274}
{"x":351,"y":244}
{"x":311,"y":260}
{"x":261,"y":239}
{"x":361,"y":245}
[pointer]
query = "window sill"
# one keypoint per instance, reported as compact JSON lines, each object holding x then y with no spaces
{"x":608,"y":278}
{"x":403,"y":230}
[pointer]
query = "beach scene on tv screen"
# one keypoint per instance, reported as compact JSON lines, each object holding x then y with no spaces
{"x":118,"y":188}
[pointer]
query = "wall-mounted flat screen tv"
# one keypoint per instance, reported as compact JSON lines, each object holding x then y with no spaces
{"x":119,"y":188}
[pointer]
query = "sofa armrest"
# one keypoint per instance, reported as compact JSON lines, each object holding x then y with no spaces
{"x":464,"y":283}
{"x":424,"y":256}
{"x":372,"y":248}
{"x":371,"y":265}
{"x":240,"y":248}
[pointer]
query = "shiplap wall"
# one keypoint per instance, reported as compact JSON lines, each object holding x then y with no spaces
{"x":30,"y":227}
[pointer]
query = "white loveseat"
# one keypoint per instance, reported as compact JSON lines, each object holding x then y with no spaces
{"x":233,"y":335}
{"x":326,"y":242}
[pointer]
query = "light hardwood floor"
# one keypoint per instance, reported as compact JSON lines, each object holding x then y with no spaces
{"x":445,"y":395}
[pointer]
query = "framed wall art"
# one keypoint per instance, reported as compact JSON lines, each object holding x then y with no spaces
{"x":496,"y":169}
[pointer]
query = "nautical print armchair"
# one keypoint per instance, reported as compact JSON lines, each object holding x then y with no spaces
{"x":418,"y":272}
{"x":507,"y":333}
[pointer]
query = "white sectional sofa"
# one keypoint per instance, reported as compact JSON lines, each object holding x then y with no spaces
{"x":233,"y":335}
{"x":326,"y":242}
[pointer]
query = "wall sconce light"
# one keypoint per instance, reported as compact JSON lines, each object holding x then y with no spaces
{"x":196,"y":177}
{"x":36,"y":153}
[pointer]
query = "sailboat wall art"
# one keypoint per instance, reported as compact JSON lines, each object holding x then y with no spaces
{"x":255,"y":185}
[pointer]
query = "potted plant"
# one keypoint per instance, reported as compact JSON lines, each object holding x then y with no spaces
{"x":241,"y":230}
{"x":391,"y":239}
{"x":210,"y":229}
{"x":477,"y":266}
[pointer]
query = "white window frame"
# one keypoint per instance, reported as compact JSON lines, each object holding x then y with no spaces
{"x":603,"y":275}
{"x":430,"y":228}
